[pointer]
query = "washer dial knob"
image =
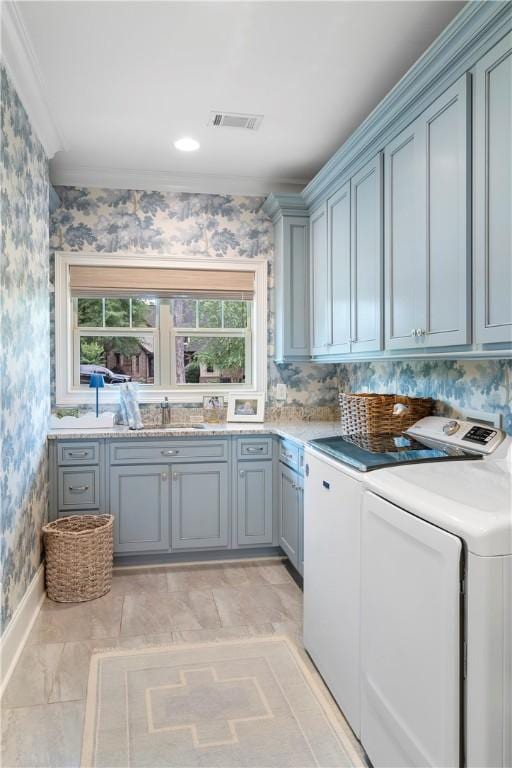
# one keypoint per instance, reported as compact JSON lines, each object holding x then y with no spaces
{"x":451,"y":427}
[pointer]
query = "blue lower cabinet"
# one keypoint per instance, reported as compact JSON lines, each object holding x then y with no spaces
{"x":169,"y":505}
{"x":289,"y":514}
{"x":200,"y":506}
{"x":254,"y":502}
{"x":139,"y":501}
{"x":78,"y":488}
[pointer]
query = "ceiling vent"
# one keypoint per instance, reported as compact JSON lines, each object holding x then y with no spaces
{"x":235,"y":120}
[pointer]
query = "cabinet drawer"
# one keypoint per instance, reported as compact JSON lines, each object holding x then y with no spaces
{"x":289,"y":454}
{"x":79,"y":488}
{"x":77,"y":453}
{"x":166,"y":451}
{"x":254,"y":448}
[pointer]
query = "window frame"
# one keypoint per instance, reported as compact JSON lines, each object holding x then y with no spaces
{"x":68,"y":393}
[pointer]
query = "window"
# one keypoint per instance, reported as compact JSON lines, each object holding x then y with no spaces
{"x":115,"y":337}
{"x":210,"y":340}
{"x":209,"y":335}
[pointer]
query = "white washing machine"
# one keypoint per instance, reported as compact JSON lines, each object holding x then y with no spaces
{"x":429,"y":622}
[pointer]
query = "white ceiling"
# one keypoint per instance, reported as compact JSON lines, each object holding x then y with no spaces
{"x":124,"y":79}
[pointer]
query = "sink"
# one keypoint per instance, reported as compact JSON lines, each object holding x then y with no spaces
{"x":171,"y":427}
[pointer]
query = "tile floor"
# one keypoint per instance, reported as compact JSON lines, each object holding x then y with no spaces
{"x":43,"y":705}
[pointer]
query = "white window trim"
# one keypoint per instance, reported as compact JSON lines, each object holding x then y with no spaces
{"x":68,"y":394}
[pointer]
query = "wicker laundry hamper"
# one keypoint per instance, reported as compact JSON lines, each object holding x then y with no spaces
{"x":369,"y":414}
{"x":79,"y":554}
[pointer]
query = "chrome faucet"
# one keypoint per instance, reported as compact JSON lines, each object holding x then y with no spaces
{"x":165,"y":410}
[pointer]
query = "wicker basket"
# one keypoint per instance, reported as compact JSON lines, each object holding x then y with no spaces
{"x":79,"y":552}
{"x":370,"y":414}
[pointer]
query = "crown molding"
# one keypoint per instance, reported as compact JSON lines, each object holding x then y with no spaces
{"x":168,"y":181}
{"x":478,"y":26}
{"x":291,"y":204}
{"x":24,"y":70}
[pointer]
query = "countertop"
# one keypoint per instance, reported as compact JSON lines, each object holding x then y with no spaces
{"x":299,"y":432}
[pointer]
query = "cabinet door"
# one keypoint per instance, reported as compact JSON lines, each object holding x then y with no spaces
{"x":445,"y":166}
{"x":493,"y":194}
{"x":318,"y":281}
{"x":367,"y":257}
{"x":254,"y":502}
{"x":410,"y":639}
{"x":200,"y":511}
{"x":338,"y":248}
{"x":289,"y":531}
{"x":300,"y":567}
{"x":139,"y":501}
{"x":405,"y":241}
{"x":296,"y":287}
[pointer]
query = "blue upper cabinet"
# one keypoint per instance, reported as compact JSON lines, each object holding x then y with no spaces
{"x":355,"y":270}
{"x":492,"y":192}
{"x":318,"y":280}
{"x":445,"y":144}
{"x":291,"y":276}
{"x":295,"y":282}
{"x":427,"y":224}
{"x":366,"y":260}
{"x":339,"y":291}
{"x":403,"y":247}
{"x":410,"y":221}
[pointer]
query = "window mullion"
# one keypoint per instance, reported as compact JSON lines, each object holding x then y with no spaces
{"x":165,"y":335}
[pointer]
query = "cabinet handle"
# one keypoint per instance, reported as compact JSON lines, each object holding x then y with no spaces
{"x":255,"y":449}
{"x":164,"y":475}
{"x":287,"y":455}
{"x":242,"y":473}
{"x":174,"y":475}
{"x":77,"y":453}
{"x":420,"y":332}
{"x":169,"y":452}
{"x":413,"y":332}
{"x":78,"y":488}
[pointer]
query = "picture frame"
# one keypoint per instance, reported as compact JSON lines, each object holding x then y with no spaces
{"x":246,"y":408}
{"x":213,"y":402}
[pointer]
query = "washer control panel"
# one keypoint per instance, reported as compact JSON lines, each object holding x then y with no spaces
{"x":480,"y":435}
{"x":456,"y":432}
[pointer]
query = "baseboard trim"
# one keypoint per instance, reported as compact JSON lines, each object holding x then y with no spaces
{"x":184,"y":560}
{"x":15,"y":636}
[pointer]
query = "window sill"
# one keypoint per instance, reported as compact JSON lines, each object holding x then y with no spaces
{"x":87,"y":396}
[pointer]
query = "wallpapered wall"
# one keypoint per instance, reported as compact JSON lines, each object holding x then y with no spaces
{"x":221,"y":226}
{"x":185,"y":225}
{"x":24,"y":350}
{"x":484,"y":385}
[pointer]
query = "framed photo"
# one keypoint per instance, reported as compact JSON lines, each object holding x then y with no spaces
{"x":213,"y":402}
{"x":246,"y":407}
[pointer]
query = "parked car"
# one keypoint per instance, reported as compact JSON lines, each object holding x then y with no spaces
{"x":109,"y":376}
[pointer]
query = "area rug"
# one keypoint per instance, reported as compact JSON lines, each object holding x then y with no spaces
{"x":239,"y":703}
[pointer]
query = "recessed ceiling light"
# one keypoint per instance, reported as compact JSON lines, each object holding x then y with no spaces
{"x":186,"y":144}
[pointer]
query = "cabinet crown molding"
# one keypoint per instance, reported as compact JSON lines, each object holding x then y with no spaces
{"x":465,"y":40}
{"x":277,"y":205}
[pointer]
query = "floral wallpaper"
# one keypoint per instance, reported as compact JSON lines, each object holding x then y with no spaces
{"x":484,"y":385}
{"x":24,"y":351}
{"x":185,"y":224}
{"x":218,"y":226}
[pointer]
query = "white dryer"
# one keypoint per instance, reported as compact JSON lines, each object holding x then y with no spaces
{"x":433,"y":595}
